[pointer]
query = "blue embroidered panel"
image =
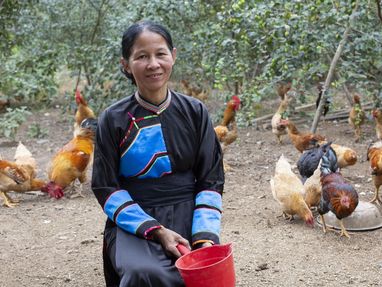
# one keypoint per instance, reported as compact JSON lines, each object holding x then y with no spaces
{"x":147,"y":156}
{"x":159,"y":167}
{"x":206,"y":220}
{"x":210,"y":198}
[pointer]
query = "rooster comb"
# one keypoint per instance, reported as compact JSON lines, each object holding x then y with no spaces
{"x":236,"y":102}
{"x":236,"y":99}
{"x":79,"y":98}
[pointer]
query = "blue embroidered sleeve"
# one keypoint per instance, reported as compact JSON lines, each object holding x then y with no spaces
{"x":116,"y":202}
{"x":207,"y":216}
{"x":209,"y":185}
{"x":127,"y":214}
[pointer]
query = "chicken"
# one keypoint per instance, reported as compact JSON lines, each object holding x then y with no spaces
{"x":226,"y":132}
{"x":83,"y":112}
{"x":312,"y":188}
{"x":18,"y":176}
{"x":278,"y":128}
{"x":310,"y":159}
{"x":232,"y":107}
{"x":302,"y":141}
{"x":356,"y":117}
{"x":226,"y":136}
{"x":283,"y":88}
{"x":337,"y":196}
{"x":327,"y":103}
{"x":288,"y":191}
{"x":377,"y":115}
{"x":374,"y":155}
{"x":72,"y":161}
{"x":345,"y":155}
{"x":192,"y":91}
{"x":4,"y":103}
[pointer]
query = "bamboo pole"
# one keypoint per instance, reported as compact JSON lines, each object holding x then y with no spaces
{"x":332,"y":68}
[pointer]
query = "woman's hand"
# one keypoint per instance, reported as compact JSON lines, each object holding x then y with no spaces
{"x":206,"y":244}
{"x":169,"y":240}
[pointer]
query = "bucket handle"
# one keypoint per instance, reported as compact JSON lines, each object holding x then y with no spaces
{"x":183,"y":249}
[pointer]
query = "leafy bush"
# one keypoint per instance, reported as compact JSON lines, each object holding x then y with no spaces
{"x":11,"y":120}
{"x":35,"y":131}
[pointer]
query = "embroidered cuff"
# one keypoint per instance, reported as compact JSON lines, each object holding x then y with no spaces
{"x":201,"y":237}
{"x":148,"y":235}
{"x":141,"y":231}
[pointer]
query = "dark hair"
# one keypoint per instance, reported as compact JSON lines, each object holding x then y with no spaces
{"x":132,"y":33}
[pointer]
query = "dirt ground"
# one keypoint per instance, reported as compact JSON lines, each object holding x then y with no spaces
{"x":48,"y":242}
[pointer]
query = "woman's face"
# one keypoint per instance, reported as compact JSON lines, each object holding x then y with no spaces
{"x":150,"y":63}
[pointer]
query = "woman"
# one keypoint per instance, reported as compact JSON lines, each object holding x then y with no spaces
{"x":157,"y":170}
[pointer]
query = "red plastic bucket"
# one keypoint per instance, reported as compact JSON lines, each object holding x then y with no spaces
{"x":207,"y":267}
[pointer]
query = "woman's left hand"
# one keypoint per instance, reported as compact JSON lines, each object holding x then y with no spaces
{"x":169,"y":239}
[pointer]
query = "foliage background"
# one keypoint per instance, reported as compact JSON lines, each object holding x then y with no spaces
{"x":48,"y":47}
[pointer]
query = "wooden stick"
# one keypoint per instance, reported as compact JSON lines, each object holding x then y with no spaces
{"x":332,"y":68}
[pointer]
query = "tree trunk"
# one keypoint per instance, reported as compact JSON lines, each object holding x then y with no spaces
{"x":379,"y":13}
{"x":100,"y":14}
{"x":78,"y":79}
{"x":331,"y":70}
{"x":348,"y":96}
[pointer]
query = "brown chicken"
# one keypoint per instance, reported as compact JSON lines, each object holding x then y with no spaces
{"x":72,"y":161}
{"x":226,"y":136}
{"x":83,"y":112}
{"x":337,"y":196}
{"x":283,"y":88}
{"x":18,"y":176}
{"x":193,"y":91}
{"x":4,"y":103}
{"x":232,"y":107}
{"x":302,"y":141}
{"x":356,"y":117}
{"x":374,"y":155}
{"x":345,"y":155}
{"x":288,"y":191}
{"x":377,"y":115}
{"x":278,"y":128}
{"x":226,"y":132}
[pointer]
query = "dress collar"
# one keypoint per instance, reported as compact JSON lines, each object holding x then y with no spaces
{"x":158,"y":109}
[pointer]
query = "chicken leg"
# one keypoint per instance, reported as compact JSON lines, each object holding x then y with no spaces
{"x":376,"y":198}
{"x":226,"y":166}
{"x":358,"y":134}
{"x":343,"y":230}
{"x":76,"y":191}
{"x":8,"y":202}
{"x":287,"y":216}
{"x":324,"y":227}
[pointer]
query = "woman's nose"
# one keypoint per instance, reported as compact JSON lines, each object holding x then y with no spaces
{"x":153,"y":63}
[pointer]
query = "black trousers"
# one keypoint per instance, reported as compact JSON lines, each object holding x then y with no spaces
{"x":130,"y":261}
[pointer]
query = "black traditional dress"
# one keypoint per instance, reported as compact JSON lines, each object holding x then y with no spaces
{"x":155,"y":165}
